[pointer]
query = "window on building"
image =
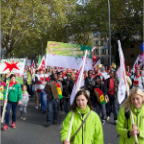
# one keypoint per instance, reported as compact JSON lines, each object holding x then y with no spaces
{"x":132,"y":55}
{"x":102,"y":42}
{"x":96,"y":52}
{"x":132,"y":46}
{"x":96,"y":34}
{"x":103,"y":51}
{"x":96,"y":43}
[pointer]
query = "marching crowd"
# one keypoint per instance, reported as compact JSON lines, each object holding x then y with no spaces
{"x":43,"y":85}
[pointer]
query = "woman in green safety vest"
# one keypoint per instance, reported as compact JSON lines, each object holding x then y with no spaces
{"x":125,"y":128}
{"x":2,"y":87}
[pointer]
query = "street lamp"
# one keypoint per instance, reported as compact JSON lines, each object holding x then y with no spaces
{"x":109,"y":34}
{"x":67,"y":25}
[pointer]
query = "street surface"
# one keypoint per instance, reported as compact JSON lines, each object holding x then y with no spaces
{"x":33,"y":130}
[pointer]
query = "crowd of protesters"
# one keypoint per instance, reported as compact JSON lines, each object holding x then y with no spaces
{"x":38,"y":85}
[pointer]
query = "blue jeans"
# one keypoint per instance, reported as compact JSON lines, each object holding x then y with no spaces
{"x":114,"y":103}
{"x":23,"y":110}
{"x":52,"y":110}
{"x":102,"y":109}
{"x":43,"y":99}
{"x":13,"y":106}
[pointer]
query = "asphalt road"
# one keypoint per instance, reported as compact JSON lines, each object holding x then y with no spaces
{"x":33,"y":130}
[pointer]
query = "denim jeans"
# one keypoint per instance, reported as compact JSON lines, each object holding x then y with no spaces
{"x":93,"y":101}
{"x":52,"y":110}
{"x":43,"y":99}
{"x":66,"y":105}
{"x":13,"y":106}
{"x":102,"y":109}
{"x":114,"y":103}
{"x":23,"y":110}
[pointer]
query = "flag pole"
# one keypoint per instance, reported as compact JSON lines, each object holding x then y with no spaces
{"x":5,"y":104}
{"x":72,"y":117}
{"x":127,"y":91}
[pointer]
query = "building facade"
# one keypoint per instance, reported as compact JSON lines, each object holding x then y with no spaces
{"x":101,"y":46}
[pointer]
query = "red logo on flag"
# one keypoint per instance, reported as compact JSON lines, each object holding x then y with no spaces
{"x":11,"y":66}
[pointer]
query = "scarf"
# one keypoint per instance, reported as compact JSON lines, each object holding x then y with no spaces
{"x":135,"y":110}
{"x":83,"y":111}
{"x":23,"y":92}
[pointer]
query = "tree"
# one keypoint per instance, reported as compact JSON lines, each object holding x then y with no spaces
{"x":28,"y":20}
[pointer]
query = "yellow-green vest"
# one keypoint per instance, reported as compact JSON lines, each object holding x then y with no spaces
{"x":29,"y":79}
{"x":1,"y":92}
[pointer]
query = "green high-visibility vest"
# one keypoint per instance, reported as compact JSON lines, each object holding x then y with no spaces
{"x":1,"y":92}
{"x":29,"y":79}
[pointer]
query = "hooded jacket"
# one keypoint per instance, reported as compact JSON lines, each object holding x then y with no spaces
{"x":123,"y":126}
{"x":90,"y":133}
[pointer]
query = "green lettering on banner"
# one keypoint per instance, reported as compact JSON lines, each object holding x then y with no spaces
{"x":67,"y":49}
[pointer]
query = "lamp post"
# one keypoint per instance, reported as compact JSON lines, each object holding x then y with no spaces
{"x":67,"y":25}
{"x":109,"y":34}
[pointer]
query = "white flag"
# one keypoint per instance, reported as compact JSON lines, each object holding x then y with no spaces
{"x":98,"y":62}
{"x":135,"y":64}
{"x":12,"y":66}
{"x":93,"y":49}
{"x":122,"y":83}
{"x":78,"y":79}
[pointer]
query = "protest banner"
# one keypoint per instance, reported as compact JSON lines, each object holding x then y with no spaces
{"x":12,"y":66}
{"x":67,"y":55}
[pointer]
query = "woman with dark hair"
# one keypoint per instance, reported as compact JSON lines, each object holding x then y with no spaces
{"x":13,"y":99}
{"x":86,"y":127}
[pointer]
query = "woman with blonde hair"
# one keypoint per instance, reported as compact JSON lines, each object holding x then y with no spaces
{"x":124,"y":127}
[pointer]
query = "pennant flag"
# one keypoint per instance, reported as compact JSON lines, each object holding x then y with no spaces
{"x":12,"y":66}
{"x":122,"y":83}
{"x":39,"y":60}
{"x":33,"y":64}
{"x":42,"y":64}
{"x":100,"y":96}
{"x":78,"y":79}
{"x":92,"y":51}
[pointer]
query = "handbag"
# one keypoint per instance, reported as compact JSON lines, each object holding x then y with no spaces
{"x":71,"y":140}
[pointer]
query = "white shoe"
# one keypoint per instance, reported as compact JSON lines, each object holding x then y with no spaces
{"x":36,"y":107}
{"x":108,"y":118}
{"x":21,"y":117}
{"x":116,"y":121}
{"x":24,"y":118}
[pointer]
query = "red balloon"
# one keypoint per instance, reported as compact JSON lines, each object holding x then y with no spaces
{"x":94,"y":58}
